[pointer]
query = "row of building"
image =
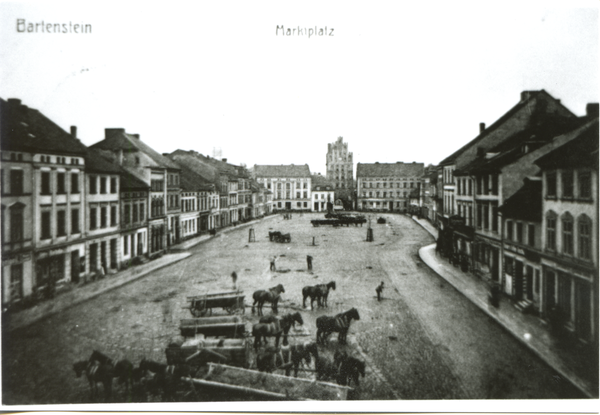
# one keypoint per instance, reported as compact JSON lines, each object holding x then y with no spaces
{"x":70,"y":211}
{"x":518,"y":206}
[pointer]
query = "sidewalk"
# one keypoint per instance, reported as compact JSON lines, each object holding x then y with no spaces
{"x":528,"y":329}
{"x":79,"y":294}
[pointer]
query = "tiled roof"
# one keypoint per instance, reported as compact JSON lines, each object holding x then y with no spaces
{"x":131,"y":182}
{"x":581,"y":151}
{"x":27,"y":129}
{"x":526,"y":203}
{"x":398,"y":169}
{"x":320,"y":181}
{"x":120,"y":140}
{"x":96,"y":162}
{"x":190,"y":180}
{"x":287,"y":170}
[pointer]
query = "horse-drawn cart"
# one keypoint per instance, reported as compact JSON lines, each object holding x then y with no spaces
{"x":230,"y":301}
{"x":280,"y":237}
{"x":198,"y":352}
{"x":226,"y":326}
{"x":246,"y":383}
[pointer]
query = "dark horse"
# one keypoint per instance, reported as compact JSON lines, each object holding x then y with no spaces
{"x":349,"y":368}
{"x":96,"y":373}
{"x":167,"y":377}
{"x":272,"y":295}
{"x":339,"y":323}
{"x":286,"y":357}
{"x":285,"y":323}
{"x":300,"y":352}
{"x":123,"y":369}
{"x":318,"y":292}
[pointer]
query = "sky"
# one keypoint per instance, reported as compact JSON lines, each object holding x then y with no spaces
{"x":399,"y":81}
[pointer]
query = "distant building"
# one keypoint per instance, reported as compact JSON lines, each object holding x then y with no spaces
{"x":340,"y":165}
{"x":323,"y":194}
{"x":387,"y":186}
{"x":290,"y":184}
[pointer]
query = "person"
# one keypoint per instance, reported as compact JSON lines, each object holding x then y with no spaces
{"x":309,"y":262}
{"x":234,"y":279}
{"x":273,"y":263}
{"x":379,"y":290}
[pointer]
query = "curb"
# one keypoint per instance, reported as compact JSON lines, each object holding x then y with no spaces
{"x":573,"y":379}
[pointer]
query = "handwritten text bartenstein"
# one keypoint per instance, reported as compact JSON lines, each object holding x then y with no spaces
{"x":24,"y":26}
{"x":303,"y":31}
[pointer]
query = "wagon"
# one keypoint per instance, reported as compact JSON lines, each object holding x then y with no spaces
{"x":226,"y":326}
{"x":243,"y":383}
{"x":230,"y":301}
{"x":286,"y":237}
{"x":199,"y":352}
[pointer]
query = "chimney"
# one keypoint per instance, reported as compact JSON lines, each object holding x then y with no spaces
{"x":109,"y":132}
{"x":74,"y":131}
{"x":224,"y":160}
{"x":591,"y":109}
{"x":481,"y":127}
{"x":14,"y":102}
{"x":136,"y":136}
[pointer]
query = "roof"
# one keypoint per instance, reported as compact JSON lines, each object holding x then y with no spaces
{"x":582,"y":151}
{"x":117,"y":139}
{"x":96,"y":162}
{"x":511,"y":149}
{"x":191,"y":181}
{"x":131,"y":182}
{"x":527,"y":98}
{"x":526,"y":203}
{"x":26,"y":129}
{"x":398,"y":169}
{"x":287,"y":170}
{"x":319,"y":181}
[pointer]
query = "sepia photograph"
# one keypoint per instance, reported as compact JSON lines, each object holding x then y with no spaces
{"x":262,"y":206}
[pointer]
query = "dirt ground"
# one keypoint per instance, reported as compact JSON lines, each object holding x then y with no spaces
{"x":422,"y":341}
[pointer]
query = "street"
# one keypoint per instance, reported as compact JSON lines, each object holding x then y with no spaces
{"x":424,"y":340}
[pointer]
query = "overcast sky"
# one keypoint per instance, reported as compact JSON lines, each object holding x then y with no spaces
{"x":398,"y":81}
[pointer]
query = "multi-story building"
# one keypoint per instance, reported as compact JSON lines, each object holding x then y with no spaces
{"x":323,"y":194}
{"x":290,"y":184}
{"x":135,"y":194}
{"x":154,"y":169}
{"x":340,"y":165}
{"x":387,"y":186}
{"x":43,"y":203}
{"x":102,"y":213}
{"x":459,"y":218}
{"x":569,"y":284}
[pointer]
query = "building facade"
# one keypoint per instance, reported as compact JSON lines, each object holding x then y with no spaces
{"x":339,"y":164}
{"x":290,"y":184}
{"x":323,"y":194}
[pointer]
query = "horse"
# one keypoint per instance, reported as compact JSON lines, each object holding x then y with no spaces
{"x":123,"y":369}
{"x":339,"y":323}
{"x":96,"y":373}
{"x":286,"y":323}
{"x":286,"y":357}
{"x":349,"y":370}
{"x":300,"y":352}
{"x":326,"y":369}
{"x":272,"y":295}
{"x":165,"y":378}
{"x":317,"y":292}
{"x":266,"y":359}
{"x":264,"y":330}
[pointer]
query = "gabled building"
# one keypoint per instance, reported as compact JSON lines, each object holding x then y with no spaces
{"x":43,"y":204}
{"x":135,"y":197}
{"x":387,"y":186}
{"x":290,"y":184}
{"x":323,"y":194}
{"x":156,"y":170}
{"x":569,"y":260}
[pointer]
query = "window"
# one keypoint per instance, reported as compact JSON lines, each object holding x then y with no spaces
{"x":103,"y":217}
{"x":135,"y":213}
{"x":584,"y":226}
{"x":93,"y":185}
{"x":479,"y":215}
{"x":74,"y":221}
{"x":74,"y":183}
{"x":297,"y":195}
{"x":16,"y":222}
{"x":113,"y":216}
{"x":45,"y":183}
{"x":126,"y":214}
{"x":551,"y":184}
{"x":45,"y":225}
{"x":93,"y":218}
{"x":486,"y":216}
{"x":567,"y":183}
{"x":551,"y":231}
{"x":519,"y":232}
{"x":531,"y":235}
{"x":60,"y":183}
{"x":16,"y":282}
{"x":113,"y":185}
{"x":567,"y":234}
{"x":494,"y":184}
{"x":60,"y":223}
{"x":585,"y":184}
{"x":509,"y":265}
{"x":495,"y":217}
{"x":509,"y":230}
{"x":16,"y":182}
{"x":103,"y":185}
{"x":126,"y":245}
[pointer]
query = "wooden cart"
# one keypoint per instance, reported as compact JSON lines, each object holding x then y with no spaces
{"x":198,"y":352}
{"x":242,"y":383}
{"x":230,"y":301}
{"x":226,"y":326}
